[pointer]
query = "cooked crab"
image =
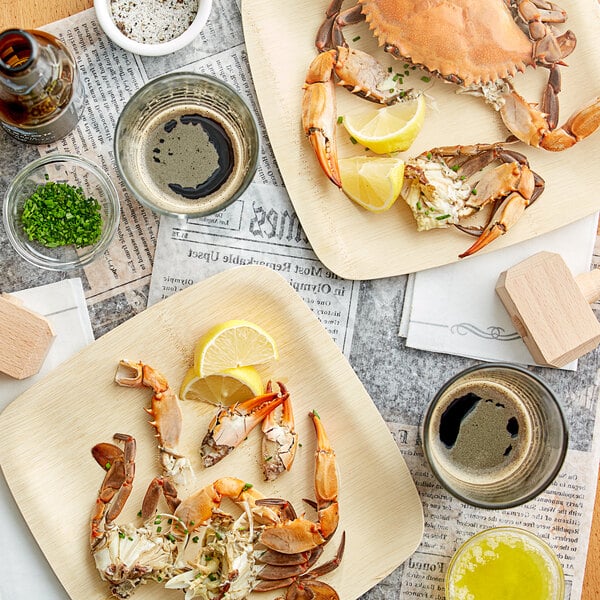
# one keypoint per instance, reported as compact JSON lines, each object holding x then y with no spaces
{"x":444,"y":185}
{"x":478,"y":46}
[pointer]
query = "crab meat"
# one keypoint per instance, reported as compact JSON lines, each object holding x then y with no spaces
{"x":231,"y":425}
{"x":280,"y":440}
{"x":439,"y":188}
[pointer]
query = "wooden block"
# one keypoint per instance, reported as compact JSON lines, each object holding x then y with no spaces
{"x":548,"y":309}
{"x":25,"y":338}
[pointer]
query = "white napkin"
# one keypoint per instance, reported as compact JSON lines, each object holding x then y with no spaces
{"x":63,"y":304}
{"x":454,"y":309}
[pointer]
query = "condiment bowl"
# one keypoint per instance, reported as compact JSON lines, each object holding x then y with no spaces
{"x":74,"y":171}
{"x":107,"y":22}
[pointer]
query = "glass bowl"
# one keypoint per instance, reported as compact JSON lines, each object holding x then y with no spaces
{"x":495,"y":435}
{"x":186,"y":145}
{"x":77,"y":172}
{"x":505,"y":562}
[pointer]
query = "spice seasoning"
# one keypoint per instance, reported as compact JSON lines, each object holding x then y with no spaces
{"x":59,"y":214}
{"x":153,"y":21}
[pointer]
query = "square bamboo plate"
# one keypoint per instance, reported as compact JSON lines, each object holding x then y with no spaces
{"x":356,"y":244}
{"x":49,"y":431}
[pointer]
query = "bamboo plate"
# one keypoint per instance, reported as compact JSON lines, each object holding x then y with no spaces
{"x":49,"y":430}
{"x":356,"y":244}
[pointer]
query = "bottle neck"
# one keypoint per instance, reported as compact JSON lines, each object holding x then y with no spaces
{"x":18,"y":52}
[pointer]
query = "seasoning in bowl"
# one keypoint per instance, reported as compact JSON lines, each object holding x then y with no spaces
{"x":153,"y":21}
{"x":59,"y":214}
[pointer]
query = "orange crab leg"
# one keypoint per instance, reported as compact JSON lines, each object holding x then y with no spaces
{"x":197,"y":508}
{"x":509,"y":212}
{"x":117,"y":484}
{"x":319,"y":113}
{"x":164,"y":410}
{"x":300,"y":534}
{"x":230,"y":426}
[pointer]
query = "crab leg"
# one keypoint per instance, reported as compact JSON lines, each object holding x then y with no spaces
{"x":230,"y":426}
{"x":117,"y":484}
{"x":300,"y":534}
{"x":280,"y":441}
{"x":197,"y":508}
{"x":158,"y":486}
{"x":164,"y":410}
{"x":319,"y":113}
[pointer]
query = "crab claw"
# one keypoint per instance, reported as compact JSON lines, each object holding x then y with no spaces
{"x":230,"y":426}
{"x":280,"y":441}
{"x":509,"y":212}
{"x":300,"y":534}
{"x":165,"y":411}
{"x":319,"y":113}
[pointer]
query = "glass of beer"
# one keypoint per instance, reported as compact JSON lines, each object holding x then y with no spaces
{"x":495,"y":435}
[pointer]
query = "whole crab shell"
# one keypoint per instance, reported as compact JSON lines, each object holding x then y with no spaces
{"x":476,"y":41}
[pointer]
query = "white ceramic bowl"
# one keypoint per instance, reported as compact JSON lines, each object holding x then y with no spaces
{"x":104,"y":15}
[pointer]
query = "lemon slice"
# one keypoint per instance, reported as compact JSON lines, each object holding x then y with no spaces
{"x":390,"y":128}
{"x":371,"y":181}
{"x":233,"y":344}
{"x":231,"y":386}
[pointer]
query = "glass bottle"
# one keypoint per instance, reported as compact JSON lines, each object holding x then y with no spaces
{"x":41,"y":91}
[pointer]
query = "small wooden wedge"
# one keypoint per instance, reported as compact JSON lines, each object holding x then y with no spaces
{"x":25,"y":338}
{"x":550,"y":308}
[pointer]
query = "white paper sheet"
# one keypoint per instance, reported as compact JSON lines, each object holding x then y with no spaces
{"x":455,"y":309}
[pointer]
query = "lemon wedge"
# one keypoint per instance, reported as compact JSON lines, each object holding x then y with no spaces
{"x":390,"y":128}
{"x":232,"y":344}
{"x":373,"y":182}
{"x":229,"y":387}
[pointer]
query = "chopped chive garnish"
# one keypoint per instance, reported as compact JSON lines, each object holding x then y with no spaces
{"x":426,"y":79}
{"x":340,"y":119}
{"x":442,"y":217}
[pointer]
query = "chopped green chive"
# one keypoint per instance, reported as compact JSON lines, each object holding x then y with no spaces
{"x":246,"y":487}
{"x":353,"y":140}
{"x":107,"y":466}
{"x":474,"y":192}
{"x":426,"y":79}
{"x":455,"y":168}
{"x":442,"y":217}
{"x":340,"y":119}
{"x":355,"y":39}
{"x":429,"y":155}
{"x":59,"y":214}
{"x":196,"y":539}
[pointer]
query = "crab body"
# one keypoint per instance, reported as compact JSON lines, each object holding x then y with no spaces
{"x":486,"y":44}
